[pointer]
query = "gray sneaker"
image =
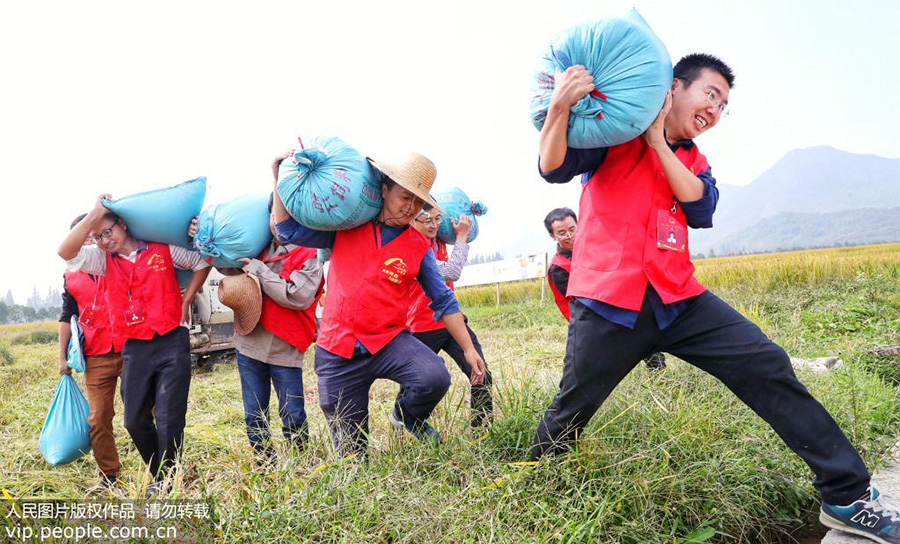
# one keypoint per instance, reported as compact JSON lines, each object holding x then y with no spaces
{"x":423,"y":432}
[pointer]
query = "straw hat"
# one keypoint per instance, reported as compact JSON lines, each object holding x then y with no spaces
{"x":414,"y":172}
{"x":243,"y":295}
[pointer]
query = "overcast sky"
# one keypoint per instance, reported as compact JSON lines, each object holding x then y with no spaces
{"x":124,"y":96}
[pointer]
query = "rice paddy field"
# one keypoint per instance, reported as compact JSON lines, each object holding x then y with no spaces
{"x":671,"y":457}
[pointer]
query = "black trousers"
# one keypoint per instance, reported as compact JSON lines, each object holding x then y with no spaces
{"x":481,"y":401}
{"x":714,"y":337}
{"x":156,"y":378}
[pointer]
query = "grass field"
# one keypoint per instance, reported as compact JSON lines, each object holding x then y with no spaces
{"x":671,"y":457}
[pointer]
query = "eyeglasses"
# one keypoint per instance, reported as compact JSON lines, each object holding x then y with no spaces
{"x":429,"y":221}
{"x":97,"y":238}
{"x":713,"y":97}
{"x":565,"y":234}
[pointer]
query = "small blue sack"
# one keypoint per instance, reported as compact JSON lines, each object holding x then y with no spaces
{"x":162,"y":215}
{"x":329,"y":186}
{"x":234,"y":230}
{"x":66,"y":434}
{"x":455,"y":203}
{"x":75,"y":352}
{"x":632,"y":74}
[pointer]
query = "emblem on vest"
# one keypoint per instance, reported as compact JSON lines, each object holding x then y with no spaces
{"x":156,"y":262}
{"x":395,"y":269}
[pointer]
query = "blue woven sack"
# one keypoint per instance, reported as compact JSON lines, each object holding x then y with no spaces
{"x":329,"y":186}
{"x":632,"y":74}
{"x":455,"y":203}
{"x":75,"y":350}
{"x":66,"y":433}
{"x":233,"y":230}
{"x":162,"y":215}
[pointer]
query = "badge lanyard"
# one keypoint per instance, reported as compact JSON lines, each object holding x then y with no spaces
{"x":134,"y":313}
{"x":85,"y":319}
{"x":671,"y":235}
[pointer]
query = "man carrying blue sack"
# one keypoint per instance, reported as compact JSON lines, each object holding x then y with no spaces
{"x":363,"y":334}
{"x":145,"y":308}
{"x":633,"y":292}
{"x":434,"y":334}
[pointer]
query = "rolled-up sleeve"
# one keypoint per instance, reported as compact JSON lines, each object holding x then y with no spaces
{"x":297,"y":294}
{"x":443,"y":302}
{"x":699,"y":213}
{"x":90,"y":259}
{"x":452,"y":269}
{"x":290,"y":231}
{"x":187,"y":259}
{"x":577,"y":161}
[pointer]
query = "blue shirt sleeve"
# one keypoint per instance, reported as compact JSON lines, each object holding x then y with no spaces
{"x":577,"y":161}
{"x":443,"y":301}
{"x":290,"y":231}
{"x":699,"y":213}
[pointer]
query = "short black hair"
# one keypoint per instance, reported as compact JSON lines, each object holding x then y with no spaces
{"x":113,"y":216}
{"x":558,"y":215}
{"x":689,"y":67}
{"x":427,"y":207}
{"x":77,"y":220}
{"x":388,"y":182}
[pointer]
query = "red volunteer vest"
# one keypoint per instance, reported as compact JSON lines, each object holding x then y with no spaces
{"x":369,"y":287}
{"x":93,"y":316}
{"x":616,"y":251}
{"x":562,"y":302}
{"x":143,"y":297}
{"x":296,"y":327}
{"x":420,"y":317}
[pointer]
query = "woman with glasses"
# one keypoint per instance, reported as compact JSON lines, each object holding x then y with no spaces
{"x":145,"y":308}
{"x":434,"y":334}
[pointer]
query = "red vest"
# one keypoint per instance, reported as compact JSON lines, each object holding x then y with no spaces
{"x":93,"y":316}
{"x":561,"y":300}
{"x":616,"y":251}
{"x":296,"y":327}
{"x":143,"y":297}
{"x":420,"y":317}
{"x":369,"y":288}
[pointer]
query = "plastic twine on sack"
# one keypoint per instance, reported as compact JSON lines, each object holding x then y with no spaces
{"x":478,"y":208}
{"x":204,"y":239}
{"x":309,"y":159}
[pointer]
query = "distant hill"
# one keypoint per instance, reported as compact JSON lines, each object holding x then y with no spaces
{"x":787,"y":231}
{"x":806,"y":183}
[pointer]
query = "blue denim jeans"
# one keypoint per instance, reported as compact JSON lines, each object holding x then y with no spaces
{"x":257,"y":379}
{"x":344,"y":387}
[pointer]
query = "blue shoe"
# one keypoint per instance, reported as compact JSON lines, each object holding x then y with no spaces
{"x":877,"y":518}
{"x":423,"y":431}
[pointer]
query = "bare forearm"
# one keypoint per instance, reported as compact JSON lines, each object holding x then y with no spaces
{"x":686,"y":186}
{"x":73,"y":241}
{"x":554,"y":139}
{"x":198,"y":278}
{"x":278,"y":208}
{"x":65,"y":333}
{"x":456,"y":326}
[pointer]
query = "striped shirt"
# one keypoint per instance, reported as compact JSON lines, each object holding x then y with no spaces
{"x":452,"y":268}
